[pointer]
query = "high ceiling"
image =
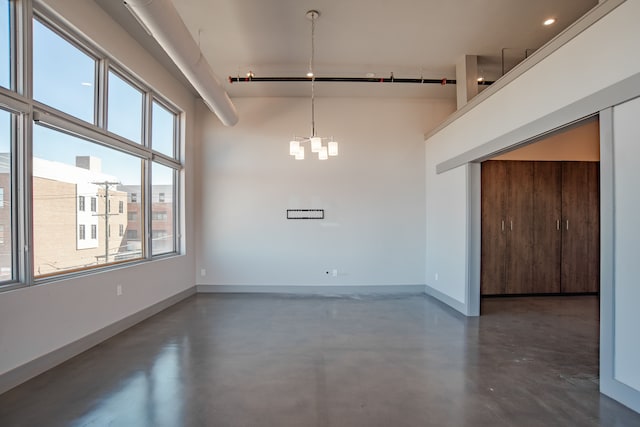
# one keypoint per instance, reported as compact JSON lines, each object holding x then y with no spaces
{"x":409,"y":38}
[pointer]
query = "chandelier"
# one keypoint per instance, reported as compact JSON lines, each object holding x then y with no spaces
{"x":296,"y":145}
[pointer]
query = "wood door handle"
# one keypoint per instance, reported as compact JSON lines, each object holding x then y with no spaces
{"x":567,"y":225}
{"x":503,"y":225}
{"x":558,"y":225}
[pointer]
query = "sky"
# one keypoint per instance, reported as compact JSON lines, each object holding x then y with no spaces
{"x":64,"y":78}
{"x":4,"y":43}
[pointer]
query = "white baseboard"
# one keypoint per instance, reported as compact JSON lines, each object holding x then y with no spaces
{"x":313,"y":290}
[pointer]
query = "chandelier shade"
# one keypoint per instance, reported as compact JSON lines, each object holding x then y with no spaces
{"x":294,"y":147}
{"x":333,"y":148}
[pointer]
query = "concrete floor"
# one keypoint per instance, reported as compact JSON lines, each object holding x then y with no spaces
{"x":259,"y":360}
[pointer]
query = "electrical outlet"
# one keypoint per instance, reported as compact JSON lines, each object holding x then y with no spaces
{"x":334,"y":272}
{"x":203,"y":272}
{"x":118,"y":290}
{"x":436,"y":275}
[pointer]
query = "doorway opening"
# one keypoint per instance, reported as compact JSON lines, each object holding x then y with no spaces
{"x":540,"y":248}
{"x":540,"y":216}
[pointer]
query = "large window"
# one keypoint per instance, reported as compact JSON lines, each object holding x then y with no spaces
{"x":93,"y":136}
{"x":64,"y":76}
{"x":63,"y":166}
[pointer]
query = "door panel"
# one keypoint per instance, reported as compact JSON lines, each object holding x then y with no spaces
{"x":547,"y":234}
{"x":493,"y":193}
{"x":581,"y":227}
{"x":519,"y":259}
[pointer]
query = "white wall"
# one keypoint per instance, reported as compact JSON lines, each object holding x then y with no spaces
{"x":37,"y":320}
{"x":446,"y":250}
{"x":372,"y":193}
{"x":626,"y":152}
{"x":589,"y":73}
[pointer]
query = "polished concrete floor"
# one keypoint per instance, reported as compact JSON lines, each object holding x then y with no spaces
{"x":260,"y":360}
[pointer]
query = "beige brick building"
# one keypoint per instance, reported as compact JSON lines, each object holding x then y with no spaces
{"x":79,"y":216}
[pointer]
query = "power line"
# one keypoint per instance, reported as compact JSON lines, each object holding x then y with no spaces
{"x":106,"y":215}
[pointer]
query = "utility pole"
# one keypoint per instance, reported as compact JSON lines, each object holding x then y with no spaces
{"x":106,"y":215}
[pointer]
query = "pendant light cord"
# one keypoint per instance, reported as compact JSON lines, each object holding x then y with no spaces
{"x":313,"y":74}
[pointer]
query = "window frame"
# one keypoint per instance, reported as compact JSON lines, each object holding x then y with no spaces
{"x":26,"y":112}
{"x":78,"y":43}
{"x":15,"y":36}
{"x":175,"y":211}
{"x":15,"y":209}
{"x":143,"y":89}
{"x":52,"y":121}
{"x":176,"y":128}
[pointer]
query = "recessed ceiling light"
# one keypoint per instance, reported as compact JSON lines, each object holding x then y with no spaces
{"x":549,"y":21}
{"x":310,"y":74}
{"x":481,"y":79}
{"x":370,"y":75}
{"x":86,"y":84}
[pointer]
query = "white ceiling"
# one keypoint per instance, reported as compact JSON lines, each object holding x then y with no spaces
{"x":409,"y":38}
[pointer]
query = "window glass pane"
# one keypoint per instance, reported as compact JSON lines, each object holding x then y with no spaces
{"x":5,"y":43}
{"x":63,"y":75}
{"x":66,"y":238}
{"x":124,"y":116}
{"x":162,"y":130}
{"x":162,"y":209}
{"x":6,"y":211}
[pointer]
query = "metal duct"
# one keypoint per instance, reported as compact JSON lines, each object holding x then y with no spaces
{"x":161,"y":20}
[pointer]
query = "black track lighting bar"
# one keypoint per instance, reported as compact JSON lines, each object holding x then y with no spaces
{"x":349,"y":80}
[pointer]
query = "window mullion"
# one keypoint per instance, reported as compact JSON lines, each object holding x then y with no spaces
{"x":147,"y":208}
{"x":24,"y":193}
{"x":23,"y":45}
{"x":146,"y":119}
{"x":177,"y":235}
{"x":13,"y":102}
{"x":101,"y":98}
{"x":166,"y":161}
{"x":84,"y":130}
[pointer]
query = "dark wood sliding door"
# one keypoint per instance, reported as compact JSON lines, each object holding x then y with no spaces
{"x":540,"y":227}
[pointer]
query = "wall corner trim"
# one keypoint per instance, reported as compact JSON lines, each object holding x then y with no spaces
{"x":446,"y":299}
